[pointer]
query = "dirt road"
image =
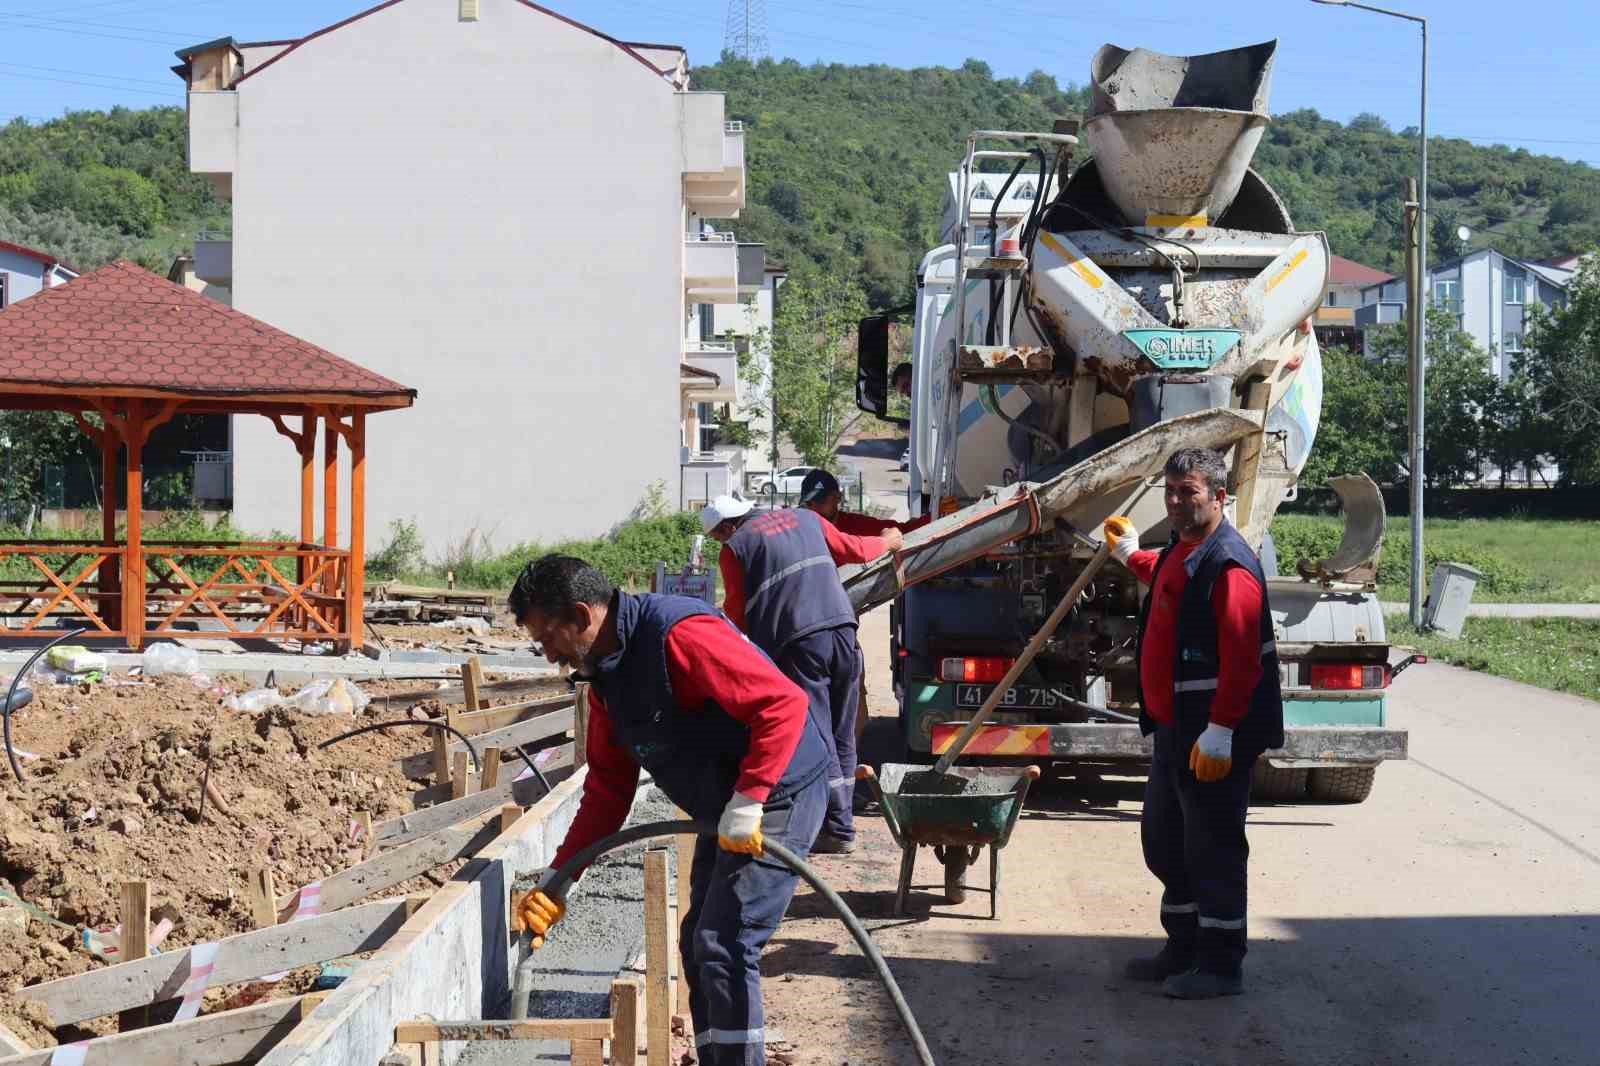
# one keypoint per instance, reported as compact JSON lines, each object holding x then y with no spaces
{"x":1453,"y":918}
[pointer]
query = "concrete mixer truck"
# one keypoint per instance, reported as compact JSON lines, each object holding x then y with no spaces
{"x":1090,"y":314}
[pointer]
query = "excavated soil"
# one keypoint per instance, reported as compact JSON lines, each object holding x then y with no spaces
{"x":115,"y":794}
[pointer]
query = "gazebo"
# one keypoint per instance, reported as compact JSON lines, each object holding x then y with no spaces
{"x":135,"y":350}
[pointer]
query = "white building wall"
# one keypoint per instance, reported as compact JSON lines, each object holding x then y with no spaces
{"x":25,"y":275}
{"x":491,"y":213}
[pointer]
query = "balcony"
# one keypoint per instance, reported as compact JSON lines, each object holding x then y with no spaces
{"x":1335,"y":316}
{"x":1382,"y":313}
{"x":711,"y":268}
{"x":714,"y":357}
{"x":213,"y":258}
{"x":713,"y":157}
{"x":214,"y":138}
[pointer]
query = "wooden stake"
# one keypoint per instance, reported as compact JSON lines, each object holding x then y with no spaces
{"x":686,"y":842}
{"x":588,"y":1053}
{"x":580,"y":727}
{"x":135,"y":942}
{"x":364,"y":832}
{"x":263,"y":898}
{"x":441,"y":757}
{"x":625,"y":993}
{"x":461,"y":776}
{"x":657,"y":960}
{"x":509,"y":815}
{"x":472,"y":684}
{"x":491,"y":768}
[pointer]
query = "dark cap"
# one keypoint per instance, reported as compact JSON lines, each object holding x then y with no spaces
{"x":818,"y":485}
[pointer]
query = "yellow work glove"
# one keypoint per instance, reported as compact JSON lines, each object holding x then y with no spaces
{"x":739,"y":830}
{"x":1212,"y":755}
{"x":1123,"y":536}
{"x":535,"y":912}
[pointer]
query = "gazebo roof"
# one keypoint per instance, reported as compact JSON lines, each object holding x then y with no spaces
{"x":121,"y":331}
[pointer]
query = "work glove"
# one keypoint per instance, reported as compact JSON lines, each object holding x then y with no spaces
{"x":1123,"y":536}
{"x":740,"y":828}
{"x":536,"y":911}
{"x":893,"y":539}
{"x":1212,"y":755}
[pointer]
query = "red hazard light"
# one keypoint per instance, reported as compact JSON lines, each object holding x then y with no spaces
{"x":981,"y":669}
{"x":1348,"y":676}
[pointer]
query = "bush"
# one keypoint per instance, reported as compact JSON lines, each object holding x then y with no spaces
{"x":1309,"y":537}
{"x":627,"y":555}
{"x":402,"y":555}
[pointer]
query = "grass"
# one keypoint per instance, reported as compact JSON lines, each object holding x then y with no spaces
{"x":1562,"y":654}
{"x":1524,"y":560}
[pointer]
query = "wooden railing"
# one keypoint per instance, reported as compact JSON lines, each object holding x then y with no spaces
{"x":44,"y":582}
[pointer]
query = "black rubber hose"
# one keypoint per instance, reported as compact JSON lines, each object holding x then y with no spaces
{"x":563,"y":878}
{"x":426,"y":723}
{"x":11,"y":755}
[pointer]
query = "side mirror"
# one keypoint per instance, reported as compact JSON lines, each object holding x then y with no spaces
{"x":872,"y":367}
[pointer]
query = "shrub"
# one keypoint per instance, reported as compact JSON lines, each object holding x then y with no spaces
{"x":402,"y":554}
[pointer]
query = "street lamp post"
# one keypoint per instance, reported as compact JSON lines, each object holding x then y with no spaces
{"x":1419,"y":336}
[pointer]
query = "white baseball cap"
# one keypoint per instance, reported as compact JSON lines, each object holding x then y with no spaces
{"x":723,"y":508}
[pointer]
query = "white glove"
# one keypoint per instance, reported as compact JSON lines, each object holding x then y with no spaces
{"x":740,"y":827}
{"x":1212,"y":755}
{"x":1123,"y":536}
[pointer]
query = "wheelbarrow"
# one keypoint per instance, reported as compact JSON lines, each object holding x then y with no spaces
{"x":958,"y":815}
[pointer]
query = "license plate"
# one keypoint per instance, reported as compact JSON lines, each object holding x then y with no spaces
{"x":1018,"y":697}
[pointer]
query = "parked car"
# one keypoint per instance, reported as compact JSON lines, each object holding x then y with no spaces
{"x":784,"y":482}
{"x":905,"y":458}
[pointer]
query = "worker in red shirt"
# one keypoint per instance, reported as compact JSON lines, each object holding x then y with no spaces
{"x":820,"y":492}
{"x":681,"y":693}
{"x":781,"y":585}
{"x":1208,"y":685}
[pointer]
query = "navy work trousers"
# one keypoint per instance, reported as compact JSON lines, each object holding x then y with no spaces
{"x":1194,"y":842}
{"x":827,"y":665}
{"x":735,"y":904}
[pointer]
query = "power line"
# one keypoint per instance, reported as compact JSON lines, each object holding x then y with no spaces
{"x":171,"y":97}
{"x":745,"y":34}
{"x":167,"y":82}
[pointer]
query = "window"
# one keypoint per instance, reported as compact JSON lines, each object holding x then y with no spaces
{"x":1333,"y":298}
{"x":1447,"y":294}
{"x":5,"y":288}
{"x":1515,"y":289}
{"x":1024,"y":191}
{"x":1513,"y":342}
{"x":982,"y":192}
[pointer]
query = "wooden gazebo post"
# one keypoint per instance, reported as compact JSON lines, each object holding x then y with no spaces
{"x":109,"y":603}
{"x":133,"y":431}
{"x":355,"y":580}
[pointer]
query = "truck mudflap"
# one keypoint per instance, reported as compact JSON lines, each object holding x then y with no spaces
{"x":1304,"y":746}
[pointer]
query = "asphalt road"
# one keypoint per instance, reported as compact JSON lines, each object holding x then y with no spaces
{"x":1453,"y":918}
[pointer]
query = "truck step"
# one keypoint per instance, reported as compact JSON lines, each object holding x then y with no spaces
{"x":994,"y":364}
{"x":995,"y":266}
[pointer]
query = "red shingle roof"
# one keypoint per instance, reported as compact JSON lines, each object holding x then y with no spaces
{"x":121,"y":328}
{"x":1342,"y":271}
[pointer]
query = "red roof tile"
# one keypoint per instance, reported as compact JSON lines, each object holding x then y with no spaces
{"x":1342,"y":271}
{"x":122,"y":327}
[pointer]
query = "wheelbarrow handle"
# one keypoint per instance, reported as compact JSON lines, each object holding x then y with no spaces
{"x":864,"y":773}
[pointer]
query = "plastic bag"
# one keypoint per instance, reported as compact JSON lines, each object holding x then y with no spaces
{"x":464,"y":624}
{"x":159,"y":659}
{"x":255,"y":701}
{"x":329,"y":696}
{"x":76,"y":659}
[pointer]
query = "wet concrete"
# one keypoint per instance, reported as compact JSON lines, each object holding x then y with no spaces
{"x":602,"y":933}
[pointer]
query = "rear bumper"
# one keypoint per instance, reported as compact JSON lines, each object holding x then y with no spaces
{"x":1304,"y":746}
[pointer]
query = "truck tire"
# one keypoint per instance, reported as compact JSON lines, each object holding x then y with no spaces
{"x":1342,"y":784}
{"x":1269,"y":783}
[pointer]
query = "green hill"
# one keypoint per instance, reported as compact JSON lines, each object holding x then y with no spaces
{"x":846,"y":171}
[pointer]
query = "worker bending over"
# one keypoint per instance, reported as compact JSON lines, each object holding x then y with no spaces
{"x":681,"y":693}
{"x":781,"y":585}
{"x":1208,"y":686}
{"x":820,"y":492}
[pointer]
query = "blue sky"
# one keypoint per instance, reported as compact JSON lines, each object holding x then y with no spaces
{"x":1499,"y":72}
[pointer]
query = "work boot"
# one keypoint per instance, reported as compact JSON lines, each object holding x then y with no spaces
{"x":828,"y":844}
{"x":1160,"y":966}
{"x":1198,"y":984}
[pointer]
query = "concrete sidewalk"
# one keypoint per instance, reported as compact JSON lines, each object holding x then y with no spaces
{"x":1516,"y":610}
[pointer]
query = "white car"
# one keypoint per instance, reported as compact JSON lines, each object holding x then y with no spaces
{"x":905,"y":459}
{"x":784,"y":482}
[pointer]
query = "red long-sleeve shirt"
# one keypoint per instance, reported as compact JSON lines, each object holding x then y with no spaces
{"x":1236,"y":604}
{"x":706,"y":660}
{"x":863,"y":525}
{"x":844,"y":548}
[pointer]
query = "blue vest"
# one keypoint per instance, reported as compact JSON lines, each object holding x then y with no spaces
{"x":1195,"y":674}
{"x":791,"y":585}
{"x":693,"y":753}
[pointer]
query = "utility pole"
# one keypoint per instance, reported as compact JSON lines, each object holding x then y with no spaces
{"x":745,"y":32}
{"x":1416,"y":324}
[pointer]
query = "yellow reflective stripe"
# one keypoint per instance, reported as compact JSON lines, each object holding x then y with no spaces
{"x":1082,"y":267}
{"x":1019,"y":739}
{"x":1299,"y":257}
{"x":1159,"y":221}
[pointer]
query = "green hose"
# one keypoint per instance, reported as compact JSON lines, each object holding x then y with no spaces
{"x":562,"y":880}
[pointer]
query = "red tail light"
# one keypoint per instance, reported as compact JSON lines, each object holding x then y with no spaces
{"x":982,"y":669}
{"x":1348,"y":676}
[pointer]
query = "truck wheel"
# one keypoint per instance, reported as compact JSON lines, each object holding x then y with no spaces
{"x":1342,"y":784}
{"x":1269,"y":783}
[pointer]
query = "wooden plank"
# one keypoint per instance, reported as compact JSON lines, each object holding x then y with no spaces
{"x":135,"y":943}
{"x":685,"y":863}
{"x":427,"y":1030}
{"x":242,"y":1035}
{"x":588,"y":1053}
{"x":491,"y":768}
{"x":403,"y":863}
{"x":541,"y":727}
{"x":407,"y":827}
{"x":508,"y":816}
{"x":625,"y":995}
{"x":460,"y":775}
{"x":239,"y":958}
{"x":556,"y":769}
{"x":12,"y":1044}
{"x":474,"y":723}
{"x":472,"y":685}
{"x":657,"y":952}
{"x":439,"y":762}
{"x":580,"y":725}
{"x":263,"y":898}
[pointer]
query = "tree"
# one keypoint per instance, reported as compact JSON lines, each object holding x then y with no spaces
{"x":30,"y":441}
{"x":813,"y":360}
{"x":1563,"y":369}
{"x":1447,"y":243}
{"x":1361,"y":420}
{"x":1516,"y":432}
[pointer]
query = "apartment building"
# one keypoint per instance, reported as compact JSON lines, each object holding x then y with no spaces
{"x":503,"y":207}
{"x":1335,"y":320}
{"x":25,"y":271}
